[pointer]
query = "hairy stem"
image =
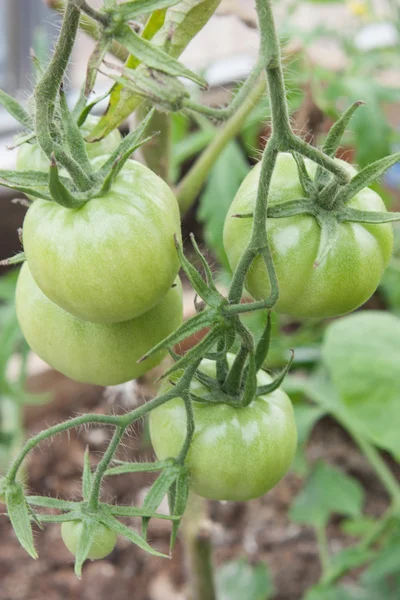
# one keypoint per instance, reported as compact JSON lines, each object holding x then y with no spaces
{"x":103,"y":466}
{"x":46,"y":94}
{"x":197,"y":542}
{"x":90,"y":26}
{"x":190,"y":186}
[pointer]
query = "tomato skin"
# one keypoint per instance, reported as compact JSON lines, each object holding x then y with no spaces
{"x":103,"y":543}
{"x":91,"y":352}
{"x":236,"y":453}
{"x":30,"y":157}
{"x":112,"y":259}
{"x":345,"y":280}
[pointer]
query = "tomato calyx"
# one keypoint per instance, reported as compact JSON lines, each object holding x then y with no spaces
{"x":52,"y":186}
{"x":234,"y":384}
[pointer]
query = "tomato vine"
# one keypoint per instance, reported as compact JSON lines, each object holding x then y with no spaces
{"x":232,"y":382}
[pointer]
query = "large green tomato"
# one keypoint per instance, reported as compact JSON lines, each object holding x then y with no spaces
{"x":103,"y":543}
{"x":93,"y":352}
{"x":343,"y":281}
{"x":30,"y":157}
{"x":112,"y":259}
{"x":236,"y":453}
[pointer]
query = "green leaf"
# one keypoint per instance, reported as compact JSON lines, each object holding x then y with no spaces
{"x":306,"y":416}
{"x":86,"y":475}
{"x":18,"y":513}
{"x":321,"y":592}
{"x":154,"y":57}
{"x":362,"y":355}
{"x":387,"y":561}
{"x":326,"y":492}
{"x":130,"y":535}
{"x":15,"y":110}
{"x":85,"y":543}
{"x":351,"y":558}
{"x":158,"y":491}
{"x":359,"y":526}
{"x":180,"y":496}
{"x":225,"y":178}
{"x":238,"y":579}
{"x":131,"y":10}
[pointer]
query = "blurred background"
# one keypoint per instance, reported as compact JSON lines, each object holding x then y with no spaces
{"x":331,"y":529}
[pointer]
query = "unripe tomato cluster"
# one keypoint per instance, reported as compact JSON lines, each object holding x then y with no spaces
{"x":99,"y":287}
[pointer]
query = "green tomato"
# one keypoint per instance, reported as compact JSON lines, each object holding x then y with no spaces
{"x":236,"y":453}
{"x":92,"y":352}
{"x":112,"y":259}
{"x":103,"y":543}
{"x":30,"y":157}
{"x":343,"y":281}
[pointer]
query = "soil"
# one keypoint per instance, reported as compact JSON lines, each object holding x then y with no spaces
{"x":259,"y":530}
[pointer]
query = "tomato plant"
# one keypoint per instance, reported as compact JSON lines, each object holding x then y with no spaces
{"x":32,"y":157}
{"x":236,"y":453}
{"x":103,"y":543}
{"x":92,"y":352}
{"x":102,"y":248}
{"x":112,"y":259}
{"x":348,"y":275}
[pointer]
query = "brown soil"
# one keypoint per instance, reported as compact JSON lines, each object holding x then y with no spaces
{"x":259,"y":530}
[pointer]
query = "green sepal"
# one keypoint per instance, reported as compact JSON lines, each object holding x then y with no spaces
{"x":277,"y":382}
{"x":73,"y":136}
{"x":262,"y":348}
{"x":195,"y":353}
{"x":19,"y":514}
{"x":137,"y":467}
{"x":15,"y":110}
{"x":94,"y":62}
{"x":329,"y":234}
{"x":59,"y":192}
{"x":82,"y":112}
{"x":46,"y":502}
{"x":37,"y":65}
{"x":337,"y":130}
{"x":86,"y":475}
{"x":131,"y":10}
{"x":291,"y":208}
{"x":132,"y":511}
{"x":153,"y":57}
{"x":206,"y":380}
{"x":367,"y":176}
{"x":70,"y":516}
{"x":206,"y":267}
{"x":113,"y":165}
{"x":85,"y":543}
{"x":181,"y":495}
{"x":188,"y":328}
{"x":332,"y":142}
{"x":26,"y":189}
{"x":13,"y":260}
{"x":163,"y":90}
{"x":19,"y":140}
{"x":307,"y":184}
{"x":210,"y":295}
{"x":367,"y":216}
{"x":250,"y":384}
{"x":158,"y":491}
{"x":328,"y":195}
{"x":109,"y":521}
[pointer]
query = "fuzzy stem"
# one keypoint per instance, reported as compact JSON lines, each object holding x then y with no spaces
{"x":190,"y":186}
{"x":46,"y":94}
{"x":103,"y":466}
{"x":90,"y":26}
{"x":197,"y":542}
